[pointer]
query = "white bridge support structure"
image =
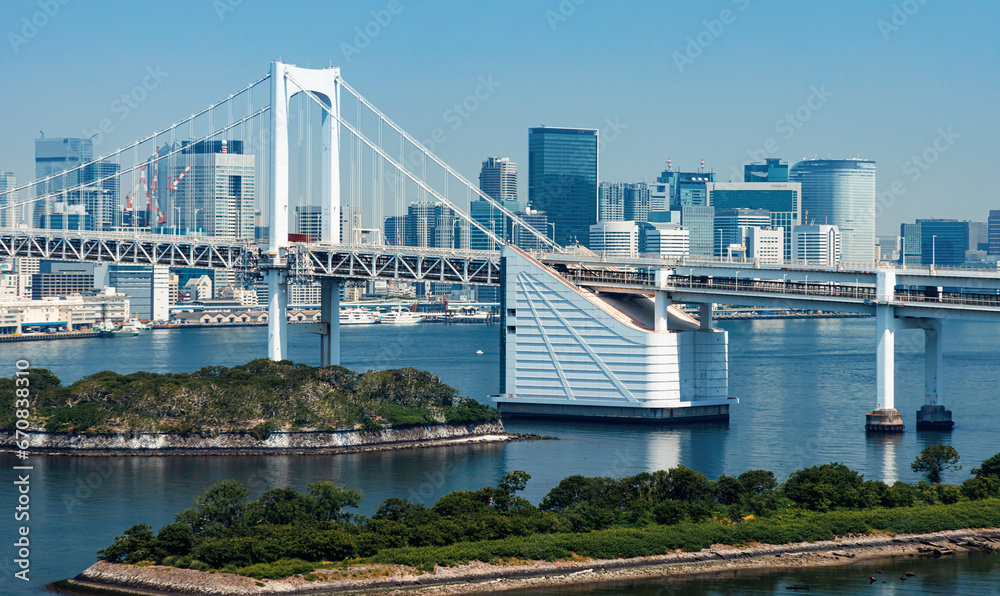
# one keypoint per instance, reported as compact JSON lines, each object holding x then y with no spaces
{"x":323,"y":84}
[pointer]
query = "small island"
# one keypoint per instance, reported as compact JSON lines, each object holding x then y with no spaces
{"x":665,"y":523}
{"x":260,"y":407}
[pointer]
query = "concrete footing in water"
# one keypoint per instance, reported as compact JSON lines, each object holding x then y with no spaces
{"x":934,"y":418}
{"x":621,"y":414}
{"x":885,"y":420}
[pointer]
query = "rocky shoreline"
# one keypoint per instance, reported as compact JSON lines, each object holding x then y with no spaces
{"x":275,"y":443}
{"x":477,"y":577}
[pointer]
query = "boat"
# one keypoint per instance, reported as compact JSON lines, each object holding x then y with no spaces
{"x":400,"y":316}
{"x":138,"y":325}
{"x":106,"y":329}
{"x":357,"y":316}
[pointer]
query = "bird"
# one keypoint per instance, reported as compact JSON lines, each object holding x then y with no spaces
{"x":872,"y":580}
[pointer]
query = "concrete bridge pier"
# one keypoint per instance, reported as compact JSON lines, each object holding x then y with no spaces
{"x":885,"y":417}
{"x":705,"y":315}
{"x":329,"y":339}
{"x":277,"y":321}
{"x":933,"y":415}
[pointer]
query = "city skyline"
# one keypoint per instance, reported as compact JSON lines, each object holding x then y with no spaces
{"x":904,"y":90}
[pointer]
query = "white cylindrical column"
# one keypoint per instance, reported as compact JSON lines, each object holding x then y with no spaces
{"x":885,"y":358}
{"x":277,"y":318}
{"x":660,"y":317}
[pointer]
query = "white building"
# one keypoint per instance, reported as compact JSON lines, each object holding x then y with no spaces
{"x":75,"y":311}
{"x":816,"y":244}
{"x":200,"y":287}
{"x":611,"y":201}
{"x":764,"y":245}
{"x":618,"y":238}
{"x":665,"y":240}
{"x":568,"y":352}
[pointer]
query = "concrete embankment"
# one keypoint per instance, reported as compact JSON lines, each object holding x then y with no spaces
{"x":277,"y":442}
{"x":477,"y":577}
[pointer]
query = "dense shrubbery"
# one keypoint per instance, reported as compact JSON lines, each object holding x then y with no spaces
{"x":279,"y":533}
{"x":256,"y":398}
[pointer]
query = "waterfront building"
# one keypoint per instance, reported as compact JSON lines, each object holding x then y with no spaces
{"x":615,"y":238}
{"x":780,"y":199}
{"x":562,"y":179}
{"x":664,"y":239}
{"x":44,"y":285}
{"x":9,"y":218}
{"x":700,"y":222}
{"x":816,"y":244}
{"x":147,"y":287}
{"x":498,"y":179}
{"x":764,"y":245}
{"x":943,"y":242}
{"x":993,"y":233}
{"x":772,"y":170}
{"x":73,"y":312}
{"x":841,"y":192}
{"x":728,"y":228}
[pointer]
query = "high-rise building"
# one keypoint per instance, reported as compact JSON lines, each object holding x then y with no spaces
{"x":781,"y":199}
{"x":909,"y":243}
{"x":430,"y":225}
{"x":978,"y":235}
{"x":562,"y":179}
{"x":728,"y":228}
{"x":498,"y":179}
{"x":216,"y":197}
{"x":11,"y":217}
{"x":148,"y":289}
{"x":617,"y":238}
{"x":943,"y":242}
{"x":309,"y":221}
{"x":611,"y":201}
{"x":816,"y":244}
{"x":53,"y":156}
{"x":888,"y":248}
{"x":772,"y":170}
{"x":993,"y":232}
{"x":394,"y":230}
{"x":101,"y":194}
{"x":841,"y":192}
{"x":637,"y":201}
{"x":539,"y":220}
{"x":687,"y":189}
{"x":700,"y":222}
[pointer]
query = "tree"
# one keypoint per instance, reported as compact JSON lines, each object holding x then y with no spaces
{"x":989,"y":468}
{"x":131,"y":547}
{"x":216,"y":508}
{"x":935,"y":459}
{"x":329,"y":500}
{"x":821,"y":487}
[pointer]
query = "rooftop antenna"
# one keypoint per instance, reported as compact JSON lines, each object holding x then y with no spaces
{"x":668,"y":164}
{"x":42,"y":132}
{"x":702,"y":165}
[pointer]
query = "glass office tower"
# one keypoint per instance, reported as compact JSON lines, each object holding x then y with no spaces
{"x":562,"y":179}
{"x":841,"y":192}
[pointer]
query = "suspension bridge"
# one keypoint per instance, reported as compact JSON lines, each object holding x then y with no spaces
{"x":582,"y":335}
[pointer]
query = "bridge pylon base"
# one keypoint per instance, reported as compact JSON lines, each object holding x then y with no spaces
{"x":934,"y":417}
{"x":884,"y":420}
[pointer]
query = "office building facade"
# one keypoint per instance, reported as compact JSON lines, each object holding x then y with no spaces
{"x":9,"y":218}
{"x":611,"y":201}
{"x":498,"y":179}
{"x":664,"y":239}
{"x":148,"y":289}
{"x":816,"y":244}
{"x":217,"y":194}
{"x":562,"y":179}
{"x":943,"y":242}
{"x":728,"y":228}
{"x":52,"y":157}
{"x":615,"y":238}
{"x":772,"y":170}
{"x":700,"y":223}
{"x":686,"y":189}
{"x":841,"y":192}
{"x":764,"y":245}
{"x":781,"y":199}
{"x":993,"y":233}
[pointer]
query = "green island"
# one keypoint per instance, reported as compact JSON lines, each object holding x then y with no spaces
{"x":312,"y":536}
{"x":256,"y":398}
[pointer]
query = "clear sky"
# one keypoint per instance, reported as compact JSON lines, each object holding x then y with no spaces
{"x":911,"y":84}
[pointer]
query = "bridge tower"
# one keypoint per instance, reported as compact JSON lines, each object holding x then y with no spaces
{"x":324,"y":85}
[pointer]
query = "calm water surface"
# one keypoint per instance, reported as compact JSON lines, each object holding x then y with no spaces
{"x":804,"y":387}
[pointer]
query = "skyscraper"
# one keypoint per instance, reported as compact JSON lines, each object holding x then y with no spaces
{"x":700,"y":223}
{"x":562,"y":179}
{"x":772,"y":170}
{"x":53,"y":156}
{"x":498,"y":178}
{"x":910,"y":243}
{"x":8,"y":217}
{"x":216,"y":197}
{"x":841,"y":192}
{"x":993,"y":232}
{"x":611,"y":201}
{"x":101,"y":195}
{"x":687,"y":189}
{"x":943,"y":242}
{"x":729,"y":225}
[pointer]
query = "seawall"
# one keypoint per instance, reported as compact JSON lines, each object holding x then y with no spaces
{"x":277,"y":442}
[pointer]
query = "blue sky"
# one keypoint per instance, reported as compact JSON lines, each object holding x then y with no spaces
{"x":911,"y":84}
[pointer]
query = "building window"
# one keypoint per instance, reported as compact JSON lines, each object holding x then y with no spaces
{"x":511,"y":329}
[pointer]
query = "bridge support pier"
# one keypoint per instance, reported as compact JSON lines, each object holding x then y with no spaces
{"x":705,"y":315}
{"x":329,"y":342}
{"x":885,"y":417}
{"x":277,"y":315}
{"x":933,"y":415}
{"x":661,"y":301}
